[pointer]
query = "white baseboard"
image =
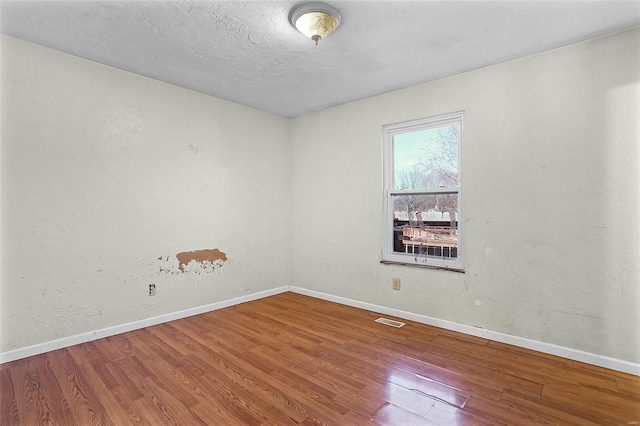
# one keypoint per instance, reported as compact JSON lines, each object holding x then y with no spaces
{"x":548,"y":348}
{"x":135,"y":325}
{"x":561,"y":351}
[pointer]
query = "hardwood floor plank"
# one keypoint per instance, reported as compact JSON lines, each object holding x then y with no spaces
{"x":27,"y":406}
{"x":247,"y":375}
{"x":355,"y":419}
{"x":50,"y":393}
{"x":104,"y":374}
{"x":207,"y":416}
{"x":555,"y":370}
{"x":151,"y":346}
{"x":366,"y":403}
{"x":469,"y":365}
{"x":240,"y":376}
{"x":479,"y":386}
{"x":128,"y":388}
{"x":173,"y":400}
{"x":224,"y":370}
{"x":408,"y":399}
{"x":122,"y":344}
{"x":503,"y":412}
{"x":132,"y":367}
{"x":111,"y":412}
{"x":603,"y":410}
{"x":240,"y":407}
{"x":392,"y":415}
{"x":267,"y":388}
{"x":352,"y":392}
{"x":107,"y":350}
{"x":615,"y":400}
{"x":556,"y":414}
{"x":247,"y":337}
{"x":155,"y":397}
{"x":430,"y":388}
{"x":170,"y":381}
{"x":629,"y":385}
{"x":512,"y":350}
{"x":324,"y":332}
{"x":445,"y":414}
{"x":593,"y":377}
{"x":86,"y":352}
{"x":291,"y":359}
{"x":152,"y":413}
{"x":532,"y":374}
{"x":8,"y":406}
{"x":83,"y":402}
{"x":210,"y":398}
{"x":127,"y":405}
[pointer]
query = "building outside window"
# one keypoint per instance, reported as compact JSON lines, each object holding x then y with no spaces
{"x":422,"y":192}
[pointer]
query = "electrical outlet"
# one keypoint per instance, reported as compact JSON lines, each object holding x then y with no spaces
{"x":396,"y":283}
{"x":152,"y":289}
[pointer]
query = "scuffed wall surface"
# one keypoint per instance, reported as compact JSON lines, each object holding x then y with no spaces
{"x":105,"y":173}
{"x":551,"y":200}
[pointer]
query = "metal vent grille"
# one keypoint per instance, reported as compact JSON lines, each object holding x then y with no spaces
{"x":392,"y":323}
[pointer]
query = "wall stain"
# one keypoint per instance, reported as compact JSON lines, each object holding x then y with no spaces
{"x":195,"y":149}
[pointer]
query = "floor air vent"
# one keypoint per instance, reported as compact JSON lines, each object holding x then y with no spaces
{"x":392,"y":323}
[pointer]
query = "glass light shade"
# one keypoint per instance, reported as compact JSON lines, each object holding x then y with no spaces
{"x":316,"y":25}
{"x":315,"y":20}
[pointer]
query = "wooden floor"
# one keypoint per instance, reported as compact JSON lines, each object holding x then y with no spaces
{"x":291,"y":359}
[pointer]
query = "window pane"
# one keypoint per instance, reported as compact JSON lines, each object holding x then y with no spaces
{"x":426,"y":225}
{"x":426,"y":159}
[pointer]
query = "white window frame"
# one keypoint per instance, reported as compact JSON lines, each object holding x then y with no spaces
{"x":388,"y":133}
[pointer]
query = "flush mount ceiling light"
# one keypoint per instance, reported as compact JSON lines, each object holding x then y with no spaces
{"x":315,"y":20}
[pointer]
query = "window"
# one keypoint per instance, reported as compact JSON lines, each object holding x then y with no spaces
{"x":422,"y":192}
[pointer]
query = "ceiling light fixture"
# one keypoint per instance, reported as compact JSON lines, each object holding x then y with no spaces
{"x":315,"y":20}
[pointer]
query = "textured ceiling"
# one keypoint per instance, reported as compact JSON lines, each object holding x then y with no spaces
{"x":247,"y":52}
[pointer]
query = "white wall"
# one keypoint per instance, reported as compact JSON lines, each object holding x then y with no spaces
{"x":104,"y":172}
{"x":551,"y":199}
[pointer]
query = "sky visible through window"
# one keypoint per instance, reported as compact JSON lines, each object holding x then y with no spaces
{"x":408,"y":147}
{"x":416,"y":155}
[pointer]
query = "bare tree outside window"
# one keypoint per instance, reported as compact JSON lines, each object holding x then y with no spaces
{"x":436,"y":166}
{"x":440,"y":158}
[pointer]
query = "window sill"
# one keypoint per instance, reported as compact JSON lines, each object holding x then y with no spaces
{"x":417,"y":265}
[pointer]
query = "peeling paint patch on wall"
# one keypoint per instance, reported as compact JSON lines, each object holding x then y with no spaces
{"x":206,"y":258}
{"x":196,"y":262}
